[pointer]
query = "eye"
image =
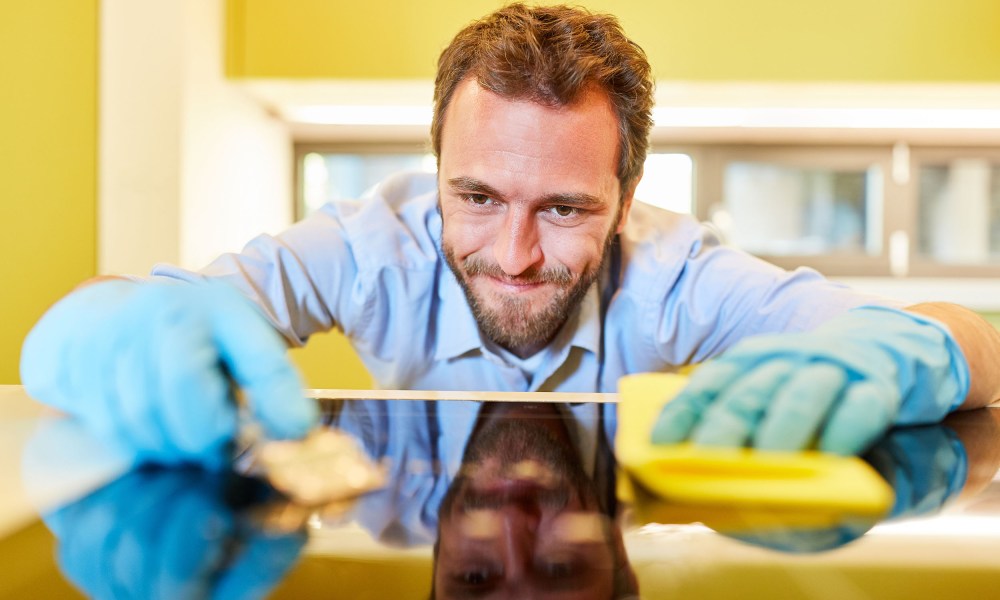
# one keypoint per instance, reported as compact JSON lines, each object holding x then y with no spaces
{"x":565,"y":211}
{"x":477,"y":199}
{"x":476,"y":576}
{"x":558,"y":569}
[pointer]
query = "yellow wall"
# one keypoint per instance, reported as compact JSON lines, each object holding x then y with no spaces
{"x":328,"y":361}
{"x":48,"y":66}
{"x":48,"y":160}
{"x":26,"y":572}
{"x":784,"y":40}
{"x":761,"y":40}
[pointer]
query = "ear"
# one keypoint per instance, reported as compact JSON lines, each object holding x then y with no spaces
{"x":627,"y":203}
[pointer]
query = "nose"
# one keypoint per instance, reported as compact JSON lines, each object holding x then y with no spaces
{"x":520,"y":530}
{"x":517,"y":247}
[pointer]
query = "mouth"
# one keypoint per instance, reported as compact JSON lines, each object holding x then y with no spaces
{"x":515,"y":286}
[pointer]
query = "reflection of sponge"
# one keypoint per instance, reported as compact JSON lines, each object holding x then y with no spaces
{"x":707,"y":476}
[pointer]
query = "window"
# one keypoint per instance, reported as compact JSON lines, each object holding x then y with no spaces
{"x":668,"y":181}
{"x":824,"y":207}
{"x":326,"y":173}
{"x":787,"y":210}
{"x":957,"y":211}
{"x":843,"y":210}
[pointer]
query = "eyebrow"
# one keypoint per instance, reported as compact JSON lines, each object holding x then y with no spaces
{"x":474,"y":186}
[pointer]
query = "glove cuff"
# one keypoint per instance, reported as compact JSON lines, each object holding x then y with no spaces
{"x":932,"y":373}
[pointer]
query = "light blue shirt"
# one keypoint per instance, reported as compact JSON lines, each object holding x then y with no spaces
{"x":671,"y":295}
{"x":421,"y":444}
{"x":422,"y":449}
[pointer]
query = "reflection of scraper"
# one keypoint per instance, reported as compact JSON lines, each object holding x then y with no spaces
{"x":813,"y":486}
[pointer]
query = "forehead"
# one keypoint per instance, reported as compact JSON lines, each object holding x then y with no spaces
{"x":566,"y":148}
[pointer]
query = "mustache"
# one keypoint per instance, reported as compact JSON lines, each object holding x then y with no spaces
{"x":559,"y":275}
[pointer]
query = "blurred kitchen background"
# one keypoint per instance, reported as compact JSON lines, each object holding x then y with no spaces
{"x":860,"y":137}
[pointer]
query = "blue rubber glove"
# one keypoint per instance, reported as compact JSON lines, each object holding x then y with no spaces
{"x":172,"y":533}
{"x":845,"y":383}
{"x":926,"y":466}
{"x":150,"y":367}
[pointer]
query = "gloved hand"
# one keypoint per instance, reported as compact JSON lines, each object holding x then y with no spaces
{"x":926,"y":466}
{"x":172,"y":533}
{"x":846,"y":383}
{"x":150,"y":367}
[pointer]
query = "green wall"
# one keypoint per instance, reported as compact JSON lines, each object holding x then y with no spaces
{"x":48,"y":160}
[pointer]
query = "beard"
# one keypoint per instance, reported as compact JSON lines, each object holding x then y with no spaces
{"x":510,"y":321}
{"x":503,"y":445}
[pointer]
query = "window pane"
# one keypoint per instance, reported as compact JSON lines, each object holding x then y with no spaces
{"x":782,"y":210}
{"x":327,"y":177}
{"x":960,"y":212}
{"x":666,"y":181}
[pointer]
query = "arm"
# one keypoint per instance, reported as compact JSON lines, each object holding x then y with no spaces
{"x":980,"y":343}
{"x":979,"y":432}
{"x":840,"y":386}
{"x":150,"y":367}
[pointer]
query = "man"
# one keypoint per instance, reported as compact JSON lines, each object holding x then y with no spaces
{"x":523,"y":519}
{"x":525,"y":265}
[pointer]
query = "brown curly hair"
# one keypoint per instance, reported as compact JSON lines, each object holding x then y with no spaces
{"x":549,"y":54}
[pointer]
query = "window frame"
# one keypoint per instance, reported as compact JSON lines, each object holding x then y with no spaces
{"x":923,"y":266}
{"x":301,"y":149}
{"x":899,"y":163}
{"x":710,"y":176}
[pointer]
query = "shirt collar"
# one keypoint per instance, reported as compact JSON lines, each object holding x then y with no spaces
{"x":587,"y":333}
{"x":457,"y":329}
{"x":457,"y":332}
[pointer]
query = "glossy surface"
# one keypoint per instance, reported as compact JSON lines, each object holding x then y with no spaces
{"x":521,"y":504}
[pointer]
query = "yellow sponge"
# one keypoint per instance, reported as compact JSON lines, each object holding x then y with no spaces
{"x":804,"y":482}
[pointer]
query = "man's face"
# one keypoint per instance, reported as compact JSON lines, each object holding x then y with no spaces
{"x":530,"y":202}
{"x":522,"y":520}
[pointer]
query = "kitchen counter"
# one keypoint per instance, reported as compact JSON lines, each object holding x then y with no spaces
{"x":78,"y":519}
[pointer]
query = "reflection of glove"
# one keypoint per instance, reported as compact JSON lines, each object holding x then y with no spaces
{"x":148,"y":365}
{"x":802,"y":540}
{"x":926,"y":466}
{"x":847,"y":382}
{"x":166,"y":533}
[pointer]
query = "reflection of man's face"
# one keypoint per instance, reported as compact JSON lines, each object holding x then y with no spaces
{"x":530,"y":201}
{"x":522,"y":521}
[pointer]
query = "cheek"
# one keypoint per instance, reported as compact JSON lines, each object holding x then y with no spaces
{"x":466,"y":236}
{"x":578,"y":251}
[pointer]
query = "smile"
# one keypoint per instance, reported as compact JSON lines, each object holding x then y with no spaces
{"x":514,"y":285}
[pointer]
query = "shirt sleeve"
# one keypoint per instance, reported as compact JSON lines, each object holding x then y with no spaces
{"x":299,"y":278}
{"x":703,"y":297}
{"x":724,"y":295}
{"x":339,"y":267}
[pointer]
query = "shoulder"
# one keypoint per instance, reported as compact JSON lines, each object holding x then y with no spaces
{"x":396,"y":223}
{"x":650,"y":228}
{"x":656,"y":245}
{"x":692,"y":290}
